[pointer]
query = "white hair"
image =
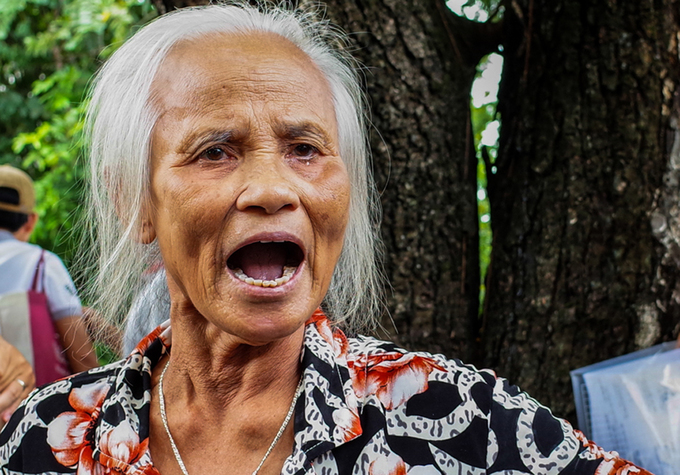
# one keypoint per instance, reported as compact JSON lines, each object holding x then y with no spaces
{"x":120,"y":121}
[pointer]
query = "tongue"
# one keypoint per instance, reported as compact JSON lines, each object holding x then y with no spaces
{"x":263,"y":261}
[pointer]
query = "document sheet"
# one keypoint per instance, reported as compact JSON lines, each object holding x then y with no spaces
{"x":634,"y":408}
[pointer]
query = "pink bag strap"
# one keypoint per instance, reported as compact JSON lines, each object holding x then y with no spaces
{"x":39,"y":272}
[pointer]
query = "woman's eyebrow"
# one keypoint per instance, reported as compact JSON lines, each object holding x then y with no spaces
{"x":202,"y":137}
{"x":302,"y":129}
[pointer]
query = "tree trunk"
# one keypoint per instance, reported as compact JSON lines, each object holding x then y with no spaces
{"x":420,"y":63}
{"x":585,"y":191}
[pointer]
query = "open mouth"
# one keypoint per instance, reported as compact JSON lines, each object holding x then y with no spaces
{"x":266,"y":263}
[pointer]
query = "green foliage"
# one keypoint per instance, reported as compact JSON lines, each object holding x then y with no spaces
{"x":105,"y":355}
{"x":49,"y":49}
{"x":477,"y":10}
{"x":485,"y":120}
{"x":485,"y":124}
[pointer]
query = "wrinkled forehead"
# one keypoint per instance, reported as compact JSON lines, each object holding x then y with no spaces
{"x":208,"y":68}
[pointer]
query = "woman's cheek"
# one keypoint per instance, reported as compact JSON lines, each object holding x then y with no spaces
{"x":334,"y":199}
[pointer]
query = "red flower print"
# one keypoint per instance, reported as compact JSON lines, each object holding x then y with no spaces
{"x":147,"y":470}
{"x":87,"y":465}
{"x":143,"y":345}
{"x":336,"y":338}
{"x":619,"y":466}
{"x":391,"y":464}
{"x":348,"y":423}
{"x":322,"y":325}
{"x":611,"y":464}
{"x":120,"y":447}
{"x":70,"y":434}
{"x":393,"y":377}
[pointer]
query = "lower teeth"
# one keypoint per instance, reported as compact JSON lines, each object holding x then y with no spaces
{"x":288,"y":272}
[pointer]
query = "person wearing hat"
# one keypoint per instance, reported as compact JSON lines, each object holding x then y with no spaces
{"x":19,"y":264}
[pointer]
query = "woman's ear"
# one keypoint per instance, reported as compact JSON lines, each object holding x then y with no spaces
{"x":147,"y":233}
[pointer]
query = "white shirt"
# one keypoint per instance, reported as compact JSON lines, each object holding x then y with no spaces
{"x":150,"y":308}
{"x":18,"y":261}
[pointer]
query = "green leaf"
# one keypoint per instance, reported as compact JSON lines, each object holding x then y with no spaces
{"x":49,"y":50}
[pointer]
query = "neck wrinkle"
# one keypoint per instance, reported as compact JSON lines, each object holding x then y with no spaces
{"x":215,"y":371}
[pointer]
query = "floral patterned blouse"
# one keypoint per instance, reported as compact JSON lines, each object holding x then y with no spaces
{"x":367,"y":408}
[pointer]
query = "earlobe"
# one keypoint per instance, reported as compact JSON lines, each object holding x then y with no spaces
{"x":147,"y":233}
{"x":32,"y":221}
{"x":25,"y":231}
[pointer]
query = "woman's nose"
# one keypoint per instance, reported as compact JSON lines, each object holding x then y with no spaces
{"x":268,"y":189}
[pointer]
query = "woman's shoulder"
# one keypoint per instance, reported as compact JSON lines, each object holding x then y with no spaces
{"x":455,"y":406}
{"x":375,"y":354}
{"x":421,"y":387}
{"x":409,"y":376}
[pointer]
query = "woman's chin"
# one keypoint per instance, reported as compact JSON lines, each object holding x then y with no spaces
{"x":267,"y":337}
{"x":261,"y":326}
{"x":251,"y":314}
{"x":267,"y":314}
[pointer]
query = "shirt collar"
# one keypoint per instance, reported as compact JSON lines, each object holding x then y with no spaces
{"x":6,"y":235}
{"x":326,"y":414}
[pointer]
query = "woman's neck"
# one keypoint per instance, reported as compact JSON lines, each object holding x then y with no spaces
{"x":224,"y":400}
{"x":209,"y":363}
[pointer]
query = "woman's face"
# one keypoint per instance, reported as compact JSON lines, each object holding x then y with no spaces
{"x":249,"y":194}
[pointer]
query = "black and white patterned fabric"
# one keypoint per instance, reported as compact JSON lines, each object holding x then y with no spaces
{"x":367,"y":408}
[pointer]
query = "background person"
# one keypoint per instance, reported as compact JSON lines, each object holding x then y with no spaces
{"x":19,"y":260}
{"x":103,"y":331}
{"x":231,"y":143}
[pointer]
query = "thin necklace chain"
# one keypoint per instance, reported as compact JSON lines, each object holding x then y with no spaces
{"x":175,"y":450}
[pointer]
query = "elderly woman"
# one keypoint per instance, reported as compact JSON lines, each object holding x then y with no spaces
{"x":229,"y":141}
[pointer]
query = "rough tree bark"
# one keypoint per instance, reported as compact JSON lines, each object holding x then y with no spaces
{"x":584,"y":198}
{"x":419,"y":63}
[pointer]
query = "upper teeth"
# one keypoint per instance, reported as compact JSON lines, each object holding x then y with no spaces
{"x":288,"y":272}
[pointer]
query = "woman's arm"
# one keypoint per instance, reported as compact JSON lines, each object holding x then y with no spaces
{"x":99,"y":329}
{"x":76,"y":343}
{"x":14,"y":370}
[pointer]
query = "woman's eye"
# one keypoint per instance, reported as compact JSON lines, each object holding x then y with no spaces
{"x":304,"y":151}
{"x":214,"y":154}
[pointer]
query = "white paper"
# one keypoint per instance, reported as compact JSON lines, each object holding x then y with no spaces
{"x":635,"y":410}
